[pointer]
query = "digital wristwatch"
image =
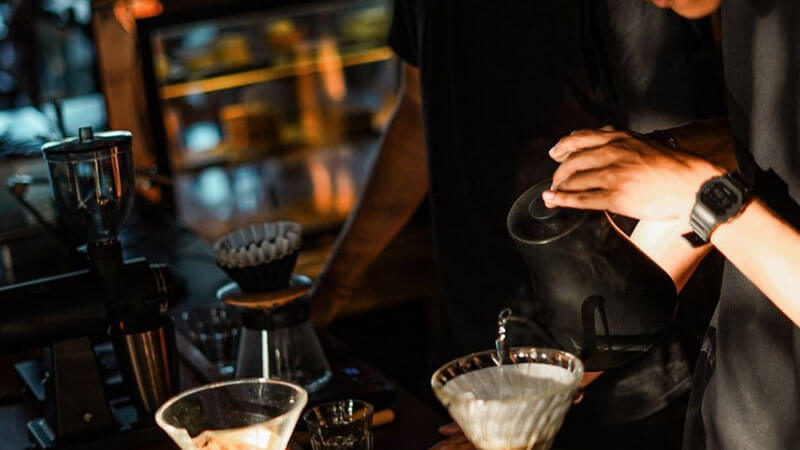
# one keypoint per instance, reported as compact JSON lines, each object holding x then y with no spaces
{"x":719,"y":200}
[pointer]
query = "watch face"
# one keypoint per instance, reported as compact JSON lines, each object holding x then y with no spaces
{"x":719,"y":198}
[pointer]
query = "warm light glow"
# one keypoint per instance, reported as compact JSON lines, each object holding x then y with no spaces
{"x":127,"y":11}
{"x":141,"y":9}
{"x":116,"y":172}
{"x":330,"y":68}
{"x":322,"y":185}
{"x":303,"y":66}
{"x":345,"y":191}
{"x":310,"y":112}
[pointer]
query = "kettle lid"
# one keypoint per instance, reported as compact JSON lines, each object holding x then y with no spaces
{"x":532,"y":222}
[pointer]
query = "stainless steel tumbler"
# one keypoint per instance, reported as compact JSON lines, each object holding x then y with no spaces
{"x":148,"y":360}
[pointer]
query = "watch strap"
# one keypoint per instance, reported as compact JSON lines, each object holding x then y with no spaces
{"x":694,"y":239}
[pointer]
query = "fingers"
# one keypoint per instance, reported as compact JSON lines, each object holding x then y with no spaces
{"x":587,"y":180}
{"x":450,"y":429}
{"x":589,"y":377}
{"x":578,"y":397}
{"x":599,"y":199}
{"x":582,"y":139}
{"x":457,"y":442}
{"x":585,"y":160}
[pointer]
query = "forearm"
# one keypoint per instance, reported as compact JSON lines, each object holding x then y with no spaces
{"x":709,"y":139}
{"x":767,"y":251}
{"x":663,"y":242}
{"x":396,"y":187}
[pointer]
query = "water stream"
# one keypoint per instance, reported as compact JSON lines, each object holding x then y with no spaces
{"x":499,"y":343}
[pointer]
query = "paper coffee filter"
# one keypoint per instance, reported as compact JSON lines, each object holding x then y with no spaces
{"x":512,"y":382}
{"x":257,"y":244}
{"x":511,"y":407}
{"x":260,"y":257}
{"x":518,"y":405}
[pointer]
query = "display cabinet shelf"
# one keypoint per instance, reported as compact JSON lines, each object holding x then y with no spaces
{"x":272,"y":73}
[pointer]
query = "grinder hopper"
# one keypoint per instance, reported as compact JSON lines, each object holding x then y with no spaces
{"x":93,"y":181}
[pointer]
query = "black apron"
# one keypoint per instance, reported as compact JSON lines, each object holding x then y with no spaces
{"x":746,"y":392}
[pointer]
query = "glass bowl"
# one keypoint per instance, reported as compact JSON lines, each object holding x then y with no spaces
{"x":520,"y":404}
{"x":253,"y":413}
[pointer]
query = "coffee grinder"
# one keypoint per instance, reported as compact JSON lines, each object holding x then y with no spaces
{"x":97,"y":324}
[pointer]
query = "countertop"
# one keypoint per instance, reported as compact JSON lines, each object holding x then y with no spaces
{"x":415,"y":424}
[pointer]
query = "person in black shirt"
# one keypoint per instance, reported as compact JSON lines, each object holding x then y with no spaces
{"x":747,"y":385}
{"x":493,"y":85}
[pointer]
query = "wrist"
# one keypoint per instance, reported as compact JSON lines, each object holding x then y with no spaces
{"x":723,"y":229}
{"x":704,"y":172}
{"x":327,"y":299}
{"x":334,"y":284}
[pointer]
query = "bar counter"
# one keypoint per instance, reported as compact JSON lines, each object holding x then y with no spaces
{"x":415,"y":422}
{"x":414,"y":427}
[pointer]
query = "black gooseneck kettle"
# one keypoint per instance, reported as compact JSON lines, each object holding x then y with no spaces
{"x":597,"y":295}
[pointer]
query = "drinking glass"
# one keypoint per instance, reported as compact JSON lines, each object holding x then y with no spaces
{"x":340,"y":425}
{"x":215,"y":331}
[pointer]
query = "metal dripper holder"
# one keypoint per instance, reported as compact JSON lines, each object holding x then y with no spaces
{"x":277,"y":339}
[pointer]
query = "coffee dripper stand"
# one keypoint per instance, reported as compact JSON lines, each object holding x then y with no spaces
{"x":277,"y":339}
{"x":75,"y":315}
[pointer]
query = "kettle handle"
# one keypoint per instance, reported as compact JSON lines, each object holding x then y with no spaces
{"x":592,"y":338}
{"x":588,"y":307}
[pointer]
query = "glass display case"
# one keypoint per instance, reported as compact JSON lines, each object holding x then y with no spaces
{"x":265,"y":112}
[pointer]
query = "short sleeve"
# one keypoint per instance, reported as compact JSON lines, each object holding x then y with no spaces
{"x":403,"y":34}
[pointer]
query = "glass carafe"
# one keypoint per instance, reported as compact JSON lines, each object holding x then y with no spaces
{"x":279,"y":342}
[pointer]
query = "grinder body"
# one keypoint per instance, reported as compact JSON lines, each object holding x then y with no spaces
{"x":124,"y":301}
{"x":47,"y":310}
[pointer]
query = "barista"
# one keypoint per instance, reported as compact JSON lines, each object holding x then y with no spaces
{"x":493,"y":87}
{"x":746,"y":387}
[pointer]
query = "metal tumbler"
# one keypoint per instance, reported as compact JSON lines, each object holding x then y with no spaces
{"x":148,"y":360}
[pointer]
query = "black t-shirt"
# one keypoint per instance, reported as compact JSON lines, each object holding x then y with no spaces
{"x":501,"y":82}
{"x":746,"y":392}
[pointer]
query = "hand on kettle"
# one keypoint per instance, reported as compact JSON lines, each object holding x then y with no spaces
{"x":626,"y":173}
